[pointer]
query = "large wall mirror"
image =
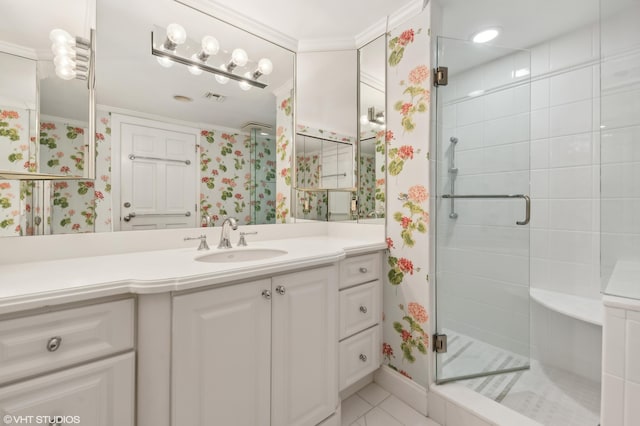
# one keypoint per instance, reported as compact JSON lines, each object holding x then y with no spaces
{"x":371,"y":142}
{"x":189,"y":112}
{"x":45,"y":90}
{"x":326,"y":134}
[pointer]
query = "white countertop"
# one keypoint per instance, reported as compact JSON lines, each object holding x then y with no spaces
{"x":38,"y":284}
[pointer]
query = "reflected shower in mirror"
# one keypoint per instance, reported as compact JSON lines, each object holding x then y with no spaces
{"x":371,"y":144}
{"x":324,"y":176}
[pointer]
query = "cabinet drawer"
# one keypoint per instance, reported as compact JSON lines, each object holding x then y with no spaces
{"x":98,"y":394}
{"x":360,"y":308}
{"x":359,"y":356}
{"x":44,"y":342}
{"x":359,"y":269}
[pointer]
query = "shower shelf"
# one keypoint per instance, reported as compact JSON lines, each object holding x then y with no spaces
{"x":577,"y":307}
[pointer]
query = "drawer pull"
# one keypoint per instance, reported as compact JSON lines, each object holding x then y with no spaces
{"x":266,"y":294}
{"x":363,"y":309}
{"x":364,"y":270}
{"x":54,"y":344}
{"x":363,"y":357}
{"x":281,"y":290}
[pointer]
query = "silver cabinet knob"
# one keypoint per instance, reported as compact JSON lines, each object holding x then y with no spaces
{"x":363,"y":357}
{"x":266,"y":294}
{"x":281,"y":290}
{"x":54,"y":343}
{"x":364,"y":270}
{"x":363,"y":309}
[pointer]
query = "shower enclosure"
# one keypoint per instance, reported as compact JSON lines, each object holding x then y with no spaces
{"x":483,"y":210}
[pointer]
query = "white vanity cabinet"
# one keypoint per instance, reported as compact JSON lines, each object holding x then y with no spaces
{"x":360,"y":317}
{"x":77,"y":363}
{"x":257,"y":353}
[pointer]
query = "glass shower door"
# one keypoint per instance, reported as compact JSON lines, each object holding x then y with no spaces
{"x":482,"y":210}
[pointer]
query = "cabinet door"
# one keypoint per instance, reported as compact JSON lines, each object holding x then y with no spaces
{"x":99,"y":394}
{"x":221,"y":356}
{"x":305,"y":335}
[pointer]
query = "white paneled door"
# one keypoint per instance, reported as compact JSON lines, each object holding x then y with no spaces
{"x":158,"y":177}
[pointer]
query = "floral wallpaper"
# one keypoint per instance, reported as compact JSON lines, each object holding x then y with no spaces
{"x":406,"y":291}
{"x":263,"y":189}
{"x":367,"y":185}
{"x":15,"y":146}
{"x":284,"y":154}
{"x":62,"y":146}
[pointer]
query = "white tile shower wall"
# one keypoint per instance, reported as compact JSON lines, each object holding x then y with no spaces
{"x":620,"y":155}
{"x":564,"y":164}
{"x":621,"y":363}
{"x":499,"y":142}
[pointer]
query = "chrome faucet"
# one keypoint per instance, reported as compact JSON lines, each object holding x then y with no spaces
{"x":225,"y":241}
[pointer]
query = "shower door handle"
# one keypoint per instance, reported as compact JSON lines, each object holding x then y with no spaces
{"x":526,"y":199}
{"x":527,"y":210}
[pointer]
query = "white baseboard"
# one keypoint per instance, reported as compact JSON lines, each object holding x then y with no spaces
{"x":404,"y":389}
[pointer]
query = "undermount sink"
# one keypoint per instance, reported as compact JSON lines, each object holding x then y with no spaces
{"x":244,"y":255}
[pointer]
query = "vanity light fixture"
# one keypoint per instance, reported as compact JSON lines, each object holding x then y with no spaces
{"x":72,"y":55}
{"x":485,"y":36}
{"x":169,"y":52}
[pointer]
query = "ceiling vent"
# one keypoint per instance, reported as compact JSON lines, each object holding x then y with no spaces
{"x":260,"y":127}
{"x":214,"y":97}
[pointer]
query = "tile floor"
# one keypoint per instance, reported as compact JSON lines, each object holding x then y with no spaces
{"x":374,"y":406}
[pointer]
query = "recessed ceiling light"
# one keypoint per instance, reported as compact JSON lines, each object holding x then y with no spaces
{"x":522,"y":72}
{"x":485,"y":35}
{"x":475,"y":93}
{"x":181,"y":98}
{"x":264,"y":133}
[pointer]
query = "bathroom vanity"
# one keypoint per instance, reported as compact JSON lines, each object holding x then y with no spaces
{"x":162,"y":338}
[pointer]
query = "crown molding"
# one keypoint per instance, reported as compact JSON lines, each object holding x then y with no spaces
{"x":324,"y":44}
{"x":372,"y":81}
{"x":396,"y":18}
{"x":405,"y":13}
{"x":15,"y":49}
{"x":242,"y":21}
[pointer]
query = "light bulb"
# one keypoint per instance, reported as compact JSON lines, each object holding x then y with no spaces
{"x":265,"y":66}
{"x":194,"y":70}
{"x":239,"y":57}
{"x":61,"y":61}
{"x":176,"y":33}
{"x":243,"y":84}
{"x":65,"y":73}
{"x":210,"y":45}
{"x":58,"y":36}
{"x":221,"y":78}
{"x":62,"y":49}
{"x":164,"y":61}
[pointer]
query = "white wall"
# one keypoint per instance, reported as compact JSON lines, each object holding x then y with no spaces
{"x":327,"y":90}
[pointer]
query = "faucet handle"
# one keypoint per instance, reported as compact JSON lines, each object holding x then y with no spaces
{"x":203,"y":241}
{"x":242,"y":242}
